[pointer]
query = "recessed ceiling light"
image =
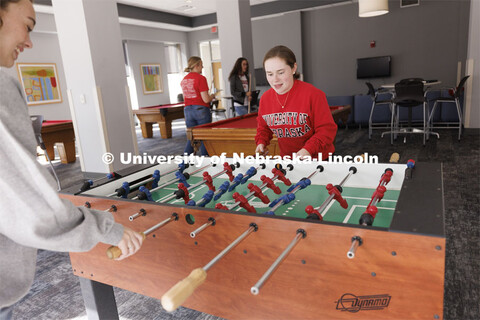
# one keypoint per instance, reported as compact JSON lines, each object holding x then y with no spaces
{"x":185,"y":8}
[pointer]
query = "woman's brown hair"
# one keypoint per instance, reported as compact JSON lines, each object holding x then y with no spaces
{"x":283,"y":53}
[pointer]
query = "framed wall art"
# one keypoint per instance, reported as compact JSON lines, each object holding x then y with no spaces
{"x":151,"y":78}
{"x":39,"y":82}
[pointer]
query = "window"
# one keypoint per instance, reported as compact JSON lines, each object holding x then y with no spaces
{"x":173,"y":53}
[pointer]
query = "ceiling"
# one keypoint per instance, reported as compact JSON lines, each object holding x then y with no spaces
{"x":189,"y":8}
{"x":190,"y":15}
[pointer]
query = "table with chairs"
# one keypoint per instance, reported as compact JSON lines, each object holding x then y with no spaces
{"x":407,"y":94}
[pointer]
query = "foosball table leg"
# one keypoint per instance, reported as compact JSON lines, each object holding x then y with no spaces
{"x":99,"y":300}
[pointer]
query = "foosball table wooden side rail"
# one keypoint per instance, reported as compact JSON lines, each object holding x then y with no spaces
{"x":392,"y":275}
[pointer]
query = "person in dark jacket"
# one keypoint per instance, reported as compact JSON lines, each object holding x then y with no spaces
{"x":240,"y":86}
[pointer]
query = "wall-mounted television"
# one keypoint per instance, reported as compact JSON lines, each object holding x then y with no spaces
{"x":260,"y":77}
{"x":374,"y":67}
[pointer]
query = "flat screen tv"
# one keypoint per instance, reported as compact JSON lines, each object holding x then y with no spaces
{"x":374,"y":67}
{"x":260,"y":77}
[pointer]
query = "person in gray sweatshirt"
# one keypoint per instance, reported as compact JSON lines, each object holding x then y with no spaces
{"x":32,"y":216}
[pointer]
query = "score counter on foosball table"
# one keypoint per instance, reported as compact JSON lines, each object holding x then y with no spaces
{"x":277,"y":240}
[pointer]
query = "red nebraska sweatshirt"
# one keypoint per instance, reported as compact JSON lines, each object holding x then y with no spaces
{"x":304,"y":122}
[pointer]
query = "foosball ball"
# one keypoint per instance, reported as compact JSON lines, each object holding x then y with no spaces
{"x":273,"y":240}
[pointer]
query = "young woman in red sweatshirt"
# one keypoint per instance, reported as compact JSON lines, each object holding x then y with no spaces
{"x":295,"y":111}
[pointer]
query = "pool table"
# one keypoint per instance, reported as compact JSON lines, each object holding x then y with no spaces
{"x":161,"y":114}
{"x":236,"y":135}
{"x":60,"y":133}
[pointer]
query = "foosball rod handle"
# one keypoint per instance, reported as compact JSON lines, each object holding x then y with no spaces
{"x":394,"y":157}
{"x":114,"y":252}
{"x":356,"y":242}
{"x":174,"y":297}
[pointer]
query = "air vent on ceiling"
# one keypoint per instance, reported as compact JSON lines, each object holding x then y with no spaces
{"x":185,"y":8}
{"x":409,"y":3}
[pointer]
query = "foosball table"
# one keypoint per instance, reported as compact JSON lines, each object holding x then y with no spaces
{"x":277,"y":240}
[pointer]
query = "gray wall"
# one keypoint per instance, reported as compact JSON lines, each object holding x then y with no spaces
{"x":195,"y":37}
{"x":283,"y":29}
{"x":141,"y":52}
{"x":279,"y":30}
{"x":46,"y":49}
{"x":424,"y":41}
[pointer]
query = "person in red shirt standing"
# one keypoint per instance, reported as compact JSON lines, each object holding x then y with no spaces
{"x":295,"y":111}
{"x":197,"y":100}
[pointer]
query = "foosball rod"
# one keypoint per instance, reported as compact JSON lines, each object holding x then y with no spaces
{"x":299,"y":236}
{"x":193,"y":186}
{"x":144,"y":180}
{"x":250,"y":194}
{"x":383,"y":182}
{"x":368,"y":216}
{"x":211,"y":222}
{"x":114,"y":252}
{"x":175,"y":180}
{"x":356,"y":242}
{"x":327,"y":201}
{"x":280,"y":203}
{"x":174,"y":297}
{"x":113,"y":208}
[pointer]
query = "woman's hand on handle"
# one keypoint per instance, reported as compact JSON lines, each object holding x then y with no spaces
{"x":130,"y":243}
{"x":303,"y":153}
{"x":261,"y":149}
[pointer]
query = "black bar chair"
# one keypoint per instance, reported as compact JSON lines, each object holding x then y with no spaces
{"x":37,"y":121}
{"x":454,"y":98}
{"x":378,"y":98}
{"x":409,"y":93}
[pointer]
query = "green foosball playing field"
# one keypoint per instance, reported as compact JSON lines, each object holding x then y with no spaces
{"x":357,"y":199}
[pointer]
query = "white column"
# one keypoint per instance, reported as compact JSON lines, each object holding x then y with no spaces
{"x":92,"y":54}
{"x":235,"y":35}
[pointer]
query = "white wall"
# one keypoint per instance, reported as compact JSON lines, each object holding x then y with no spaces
{"x":473,"y":57}
{"x":142,"y":52}
{"x":145,"y":46}
{"x":46,"y":49}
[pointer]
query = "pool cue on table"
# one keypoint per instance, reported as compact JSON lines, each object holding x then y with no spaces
{"x":114,"y":252}
{"x":301,"y":234}
{"x":335,"y":193}
{"x":174,"y":297}
{"x":249,"y":90}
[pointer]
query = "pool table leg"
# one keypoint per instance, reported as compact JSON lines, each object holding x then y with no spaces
{"x":50,"y":151}
{"x":66,"y":151}
{"x":165,"y":129}
{"x":146,"y":129}
{"x":99,"y":299}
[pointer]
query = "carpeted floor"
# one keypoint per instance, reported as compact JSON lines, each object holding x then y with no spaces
{"x":56,"y":292}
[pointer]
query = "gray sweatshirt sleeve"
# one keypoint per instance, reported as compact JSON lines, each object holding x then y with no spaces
{"x":32,"y":213}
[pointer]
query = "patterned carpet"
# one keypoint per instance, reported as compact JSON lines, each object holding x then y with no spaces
{"x":56,"y":291}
